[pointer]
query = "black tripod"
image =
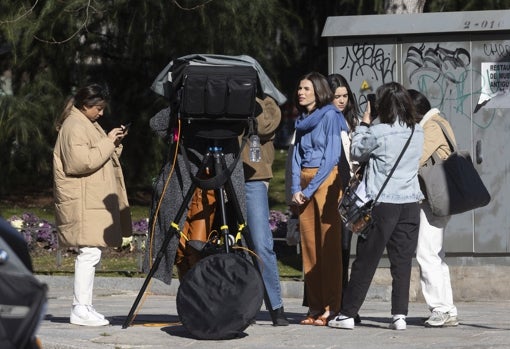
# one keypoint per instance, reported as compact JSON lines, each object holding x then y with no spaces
{"x":222,"y":184}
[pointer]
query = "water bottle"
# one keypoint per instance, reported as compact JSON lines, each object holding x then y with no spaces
{"x":254,"y":148}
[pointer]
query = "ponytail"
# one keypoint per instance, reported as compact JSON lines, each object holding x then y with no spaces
{"x":65,"y":113}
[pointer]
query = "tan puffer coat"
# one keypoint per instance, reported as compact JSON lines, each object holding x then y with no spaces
{"x":91,"y":205}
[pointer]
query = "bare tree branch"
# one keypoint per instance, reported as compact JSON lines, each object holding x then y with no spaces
{"x":192,"y":8}
{"x":29,"y":11}
{"x":83,"y":26}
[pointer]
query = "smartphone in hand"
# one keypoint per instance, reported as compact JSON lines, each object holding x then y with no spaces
{"x":126,"y":127}
{"x":371,"y":101}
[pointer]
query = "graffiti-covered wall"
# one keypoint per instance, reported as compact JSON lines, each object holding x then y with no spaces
{"x":464,"y":70}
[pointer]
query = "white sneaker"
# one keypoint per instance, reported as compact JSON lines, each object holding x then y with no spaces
{"x":342,"y":321}
{"x":93,"y":311}
{"x":440,"y":319}
{"x":81,"y":315}
{"x":398,"y":322}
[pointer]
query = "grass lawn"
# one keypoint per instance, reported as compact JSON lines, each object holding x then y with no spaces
{"x":125,"y":263}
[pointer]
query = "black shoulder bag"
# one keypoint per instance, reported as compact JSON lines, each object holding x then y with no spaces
{"x":453,"y":185}
{"x":356,"y":214}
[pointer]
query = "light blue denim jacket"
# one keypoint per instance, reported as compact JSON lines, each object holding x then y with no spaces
{"x":381,"y":145}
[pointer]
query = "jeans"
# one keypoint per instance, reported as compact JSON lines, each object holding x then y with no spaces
{"x":257,"y":217}
{"x":84,"y":272}
{"x":434,"y":272}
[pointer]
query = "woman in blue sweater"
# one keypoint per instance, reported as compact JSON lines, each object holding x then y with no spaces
{"x":316,"y":189}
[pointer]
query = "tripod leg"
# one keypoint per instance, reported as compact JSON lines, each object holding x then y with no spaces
{"x":153,"y":269}
{"x":173,"y":230}
{"x":220,"y":198}
{"x":231,"y":195}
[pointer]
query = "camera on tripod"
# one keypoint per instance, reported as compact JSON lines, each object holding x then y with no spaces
{"x":213,"y":102}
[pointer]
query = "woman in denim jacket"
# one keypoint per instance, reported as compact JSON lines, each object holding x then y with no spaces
{"x":396,"y":215}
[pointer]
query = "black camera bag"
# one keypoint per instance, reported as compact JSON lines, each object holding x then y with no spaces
{"x":218,"y":91}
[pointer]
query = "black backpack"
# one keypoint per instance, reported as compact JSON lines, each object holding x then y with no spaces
{"x":23,"y":297}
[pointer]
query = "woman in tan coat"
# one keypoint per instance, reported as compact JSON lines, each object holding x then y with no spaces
{"x":435,"y":280}
{"x":91,"y":205}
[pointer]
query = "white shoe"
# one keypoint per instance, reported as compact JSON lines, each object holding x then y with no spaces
{"x":398,"y":322}
{"x":440,"y":319}
{"x":81,"y":315}
{"x":93,"y":311}
{"x":342,"y":321}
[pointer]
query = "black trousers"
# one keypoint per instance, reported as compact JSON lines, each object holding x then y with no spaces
{"x":396,"y":229}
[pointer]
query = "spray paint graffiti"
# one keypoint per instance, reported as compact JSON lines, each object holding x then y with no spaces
{"x":438,"y":61}
{"x":369,"y":61}
{"x":444,"y":73}
{"x":501,"y":50}
{"x":448,"y":73}
{"x":440,"y":70}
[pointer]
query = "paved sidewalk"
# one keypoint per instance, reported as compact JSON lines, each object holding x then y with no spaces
{"x":482,"y":324}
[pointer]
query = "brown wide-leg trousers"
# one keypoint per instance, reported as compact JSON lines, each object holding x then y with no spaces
{"x":321,"y":239}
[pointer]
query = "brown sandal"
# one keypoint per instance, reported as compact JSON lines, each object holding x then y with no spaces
{"x":309,"y":320}
{"x":321,"y":321}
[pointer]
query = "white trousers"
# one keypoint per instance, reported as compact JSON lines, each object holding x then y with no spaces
{"x":84,"y":272}
{"x":434,"y":272}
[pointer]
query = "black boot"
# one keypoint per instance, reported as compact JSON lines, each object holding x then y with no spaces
{"x":278,"y":317}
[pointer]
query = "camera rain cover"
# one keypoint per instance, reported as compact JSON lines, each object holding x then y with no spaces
{"x":219,"y":297}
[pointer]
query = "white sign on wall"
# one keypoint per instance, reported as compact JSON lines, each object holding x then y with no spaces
{"x":495,"y":85}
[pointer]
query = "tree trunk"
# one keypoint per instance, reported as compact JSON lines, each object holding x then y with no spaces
{"x":404,"y":6}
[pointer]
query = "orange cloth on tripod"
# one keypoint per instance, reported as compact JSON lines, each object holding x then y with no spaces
{"x":197,"y":226}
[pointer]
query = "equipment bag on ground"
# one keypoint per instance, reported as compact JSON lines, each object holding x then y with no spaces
{"x":220,"y":296}
{"x":22,"y":301}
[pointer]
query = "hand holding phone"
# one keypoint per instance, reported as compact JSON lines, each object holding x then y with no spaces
{"x":373,"y":109}
{"x":125,"y":128}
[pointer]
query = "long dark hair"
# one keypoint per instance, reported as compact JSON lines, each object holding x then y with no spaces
{"x":351,"y":110}
{"x":323,"y":94}
{"x":421,"y":103}
{"x":87,"y":96}
{"x":392,"y":102}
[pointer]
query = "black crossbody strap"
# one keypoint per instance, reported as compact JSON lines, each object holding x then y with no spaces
{"x":394,"y":167}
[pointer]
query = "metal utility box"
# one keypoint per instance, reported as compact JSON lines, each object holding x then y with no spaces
{"x":461,"y":62}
